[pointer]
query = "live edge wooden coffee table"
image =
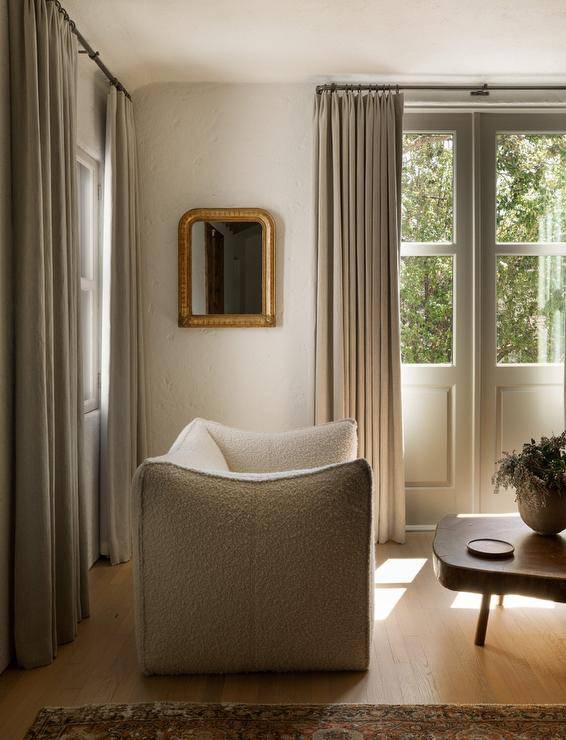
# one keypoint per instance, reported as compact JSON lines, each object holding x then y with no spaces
{"x":537,"y":568}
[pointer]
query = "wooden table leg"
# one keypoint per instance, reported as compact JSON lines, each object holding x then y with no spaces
{"x":482,"y":620}
{"x":500,"y":600}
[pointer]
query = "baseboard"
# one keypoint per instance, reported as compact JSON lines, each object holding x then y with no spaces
{"x":420,"y":527}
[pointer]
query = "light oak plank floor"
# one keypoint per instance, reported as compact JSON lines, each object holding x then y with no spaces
{"x":423,"y":652}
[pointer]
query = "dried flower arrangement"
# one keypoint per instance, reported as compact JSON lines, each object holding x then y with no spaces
{"x":536,"y":473}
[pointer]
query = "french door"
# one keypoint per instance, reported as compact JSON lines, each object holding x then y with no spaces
{"x":483,"y":282}
{"x":523,"y":280}
{"x":437,"y":314}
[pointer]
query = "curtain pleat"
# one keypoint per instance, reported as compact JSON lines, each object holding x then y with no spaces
{"x":50,"y":560}
{"x":358,"y":146}
{"x":123,"y":414}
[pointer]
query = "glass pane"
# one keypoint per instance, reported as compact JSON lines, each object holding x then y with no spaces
{"x":531,"y":188}
{"x":87,"y":327}
{"x":226,"y":267}
{"x":85,"y":220}
{"x":530,"y":309}
{"x":427,"y":310}
{"x":427,"y":203}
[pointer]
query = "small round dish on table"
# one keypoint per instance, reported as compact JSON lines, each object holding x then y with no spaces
{"x":490,"y":548}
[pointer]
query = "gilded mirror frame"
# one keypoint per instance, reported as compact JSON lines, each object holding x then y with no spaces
{"x":267,"y":317}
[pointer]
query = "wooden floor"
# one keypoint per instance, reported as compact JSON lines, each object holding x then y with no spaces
{"x":423,"y":652}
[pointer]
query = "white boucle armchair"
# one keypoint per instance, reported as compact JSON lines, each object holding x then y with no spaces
{"x":253,"y":552}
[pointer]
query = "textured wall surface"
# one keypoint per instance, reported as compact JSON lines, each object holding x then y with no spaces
{"x":91,"y":124}
{"x":5,"y":342}
{"x":227,"y":145}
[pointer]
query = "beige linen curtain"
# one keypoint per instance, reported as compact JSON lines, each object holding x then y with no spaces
{"x":123,"y":419}
{"x":50,"y":578}
{"x":358,"y":146}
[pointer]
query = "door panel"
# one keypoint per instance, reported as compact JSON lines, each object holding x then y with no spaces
{"x":428,"y":436}
{"x":437,"y":320}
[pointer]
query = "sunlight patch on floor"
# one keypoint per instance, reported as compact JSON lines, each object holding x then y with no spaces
{"x":465,"y":600}
{"x":386,"y":600}
{"x":399,"y":570}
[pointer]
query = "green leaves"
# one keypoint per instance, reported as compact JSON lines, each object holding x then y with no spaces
{"x":531,"y":294}
{"x":426,"y":309}
{"x":427,"y":187}
{"x":427,"y":216}
{"x":531,"y":188}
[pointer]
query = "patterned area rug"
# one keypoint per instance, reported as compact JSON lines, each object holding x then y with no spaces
{"x":166,"y":721}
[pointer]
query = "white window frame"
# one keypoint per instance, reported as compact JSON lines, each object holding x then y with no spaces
{"x":92,"y":284}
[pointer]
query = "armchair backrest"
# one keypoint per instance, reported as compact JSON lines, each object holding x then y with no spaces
{"x":299,"y":449}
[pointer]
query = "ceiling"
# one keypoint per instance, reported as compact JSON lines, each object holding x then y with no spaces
{"x":144,"y":41}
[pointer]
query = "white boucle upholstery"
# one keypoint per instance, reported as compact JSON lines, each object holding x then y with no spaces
{"x":198,"y":449}
{"x":300,"y":449}
{"x":266,"y":570}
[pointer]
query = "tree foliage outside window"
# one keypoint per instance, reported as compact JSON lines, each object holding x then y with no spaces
{"x":531,"y":208}
{"x":531,"y":188}
{"x":428,"y":189}
{"x":427,"y":217}
{"x":426,"y":309}
{"x":531,"y":292}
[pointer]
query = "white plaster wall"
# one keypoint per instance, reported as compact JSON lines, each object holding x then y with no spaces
{"x":91,"y":126}
{"x":5,"y":345}
{"x":206,"y":145}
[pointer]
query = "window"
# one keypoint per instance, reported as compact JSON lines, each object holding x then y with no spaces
{"x":428,"y":188}
{"x":531,"y":188}
{"x":88,"y":201}
{"x":530,"y":226}
{"x":427,"y":221}
{"x":426,"y":309}
{"x":531,"y":294}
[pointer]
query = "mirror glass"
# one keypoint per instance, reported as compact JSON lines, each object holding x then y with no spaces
{"x":226,"y":267}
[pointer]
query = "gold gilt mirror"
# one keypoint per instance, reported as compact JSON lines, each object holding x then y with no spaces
{"x":226,"y":267}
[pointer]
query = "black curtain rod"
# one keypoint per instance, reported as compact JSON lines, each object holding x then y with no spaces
{"x":87,"y":49}
{"x":479,"y":90}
